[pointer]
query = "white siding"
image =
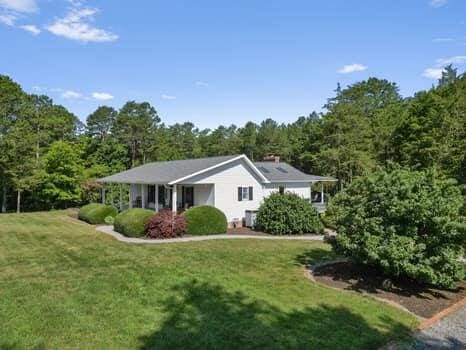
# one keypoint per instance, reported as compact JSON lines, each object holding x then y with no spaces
{"x":301,"y":189}
{"x":225,"y":181}
{"x":204,"y":194}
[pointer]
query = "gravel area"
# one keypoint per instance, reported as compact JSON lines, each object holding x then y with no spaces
{"x":448,"y":333}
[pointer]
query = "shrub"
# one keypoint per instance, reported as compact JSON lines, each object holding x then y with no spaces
{"x":166,"y":225}
{"x":109,"y":220}
{"x":205,"y":220}
{"x":132,"y":222}
{"x":287,"y":213}
{"x":405,"y":223}
{"x":96,"y":213}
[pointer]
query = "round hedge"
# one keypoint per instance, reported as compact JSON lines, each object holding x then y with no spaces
{"x":287,"y":214}
{"x":205,"y":220}
{"x":132,"y":222}
{"x":96,"y":213}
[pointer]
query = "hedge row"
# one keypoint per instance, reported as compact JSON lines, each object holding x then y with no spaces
{"x":96,"y":213}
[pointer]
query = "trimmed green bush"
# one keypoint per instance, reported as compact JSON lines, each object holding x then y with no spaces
{"x":205,"y":220}
{"x":109,"y":220}
{"x":405,"y":223}
{"x":132,"y":222}
{"x":288,"y":214}
{"x":96,"y":213}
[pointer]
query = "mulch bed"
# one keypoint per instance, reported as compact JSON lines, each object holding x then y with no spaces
{"x":422,"y":300}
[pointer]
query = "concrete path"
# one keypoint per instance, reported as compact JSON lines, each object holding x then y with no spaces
{"x":448,"y":333}
{"x":109,"y":231}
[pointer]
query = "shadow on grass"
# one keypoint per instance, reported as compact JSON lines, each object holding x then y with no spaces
{"x":313,"y":256}
{"x":206,"y":316}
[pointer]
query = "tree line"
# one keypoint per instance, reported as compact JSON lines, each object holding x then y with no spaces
{"x":50,"y":159}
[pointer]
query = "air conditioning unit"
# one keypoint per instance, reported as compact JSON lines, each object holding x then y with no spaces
{"x":250,"y":218}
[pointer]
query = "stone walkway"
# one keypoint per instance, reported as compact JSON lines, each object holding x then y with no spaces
{"x":448,"y":333}
{"x":109,"y":231}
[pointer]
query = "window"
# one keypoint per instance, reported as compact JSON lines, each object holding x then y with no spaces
{"x":245,"y":193}
{"x":161,"y":194}
{"x":151,"y":194}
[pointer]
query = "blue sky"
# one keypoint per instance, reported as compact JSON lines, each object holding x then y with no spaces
{"x":220,"y":62}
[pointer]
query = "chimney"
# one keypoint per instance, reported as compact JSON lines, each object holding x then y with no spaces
{"x":270,"y":157}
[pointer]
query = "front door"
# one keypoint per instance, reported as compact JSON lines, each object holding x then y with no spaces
{"x":187,"y":197}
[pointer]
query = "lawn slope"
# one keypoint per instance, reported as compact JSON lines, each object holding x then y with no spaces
{"x":63,"y":285}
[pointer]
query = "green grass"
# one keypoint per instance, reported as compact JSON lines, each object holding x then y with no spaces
{"x":63,"y":286}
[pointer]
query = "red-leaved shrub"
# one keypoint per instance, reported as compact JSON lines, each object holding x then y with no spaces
{"x":166,"y":225}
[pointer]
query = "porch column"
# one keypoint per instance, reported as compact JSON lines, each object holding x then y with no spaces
{"x":103,"y":194}
{"x":143,"y":197}
{"x":174,"y":199}
{"x":156,"y":199}
{"x":310,"y":193}
{"x":322,"y":193}
{"x":130,"y":204}
{"x":121,"y":197}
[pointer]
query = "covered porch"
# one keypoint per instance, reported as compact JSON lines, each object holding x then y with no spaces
{"x":157,"y":196}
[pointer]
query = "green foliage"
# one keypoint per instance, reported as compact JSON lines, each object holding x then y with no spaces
{"x":405,"y":223}
{"x":132,"y":222}
{"x":96,"y":213}
{"x":205,"y":220}
{"x":288,"y":213}
{"x":60,"y":183}
{"x":365,"y":126}
{"x":109,"y":220}
{"x":134,"y":126}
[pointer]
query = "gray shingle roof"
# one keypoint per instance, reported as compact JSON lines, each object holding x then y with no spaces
{"x":283,"y":172}
{"x":165,"y":172}
{"x":169,"y":171}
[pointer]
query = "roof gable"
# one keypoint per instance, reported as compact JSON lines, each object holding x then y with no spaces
{"x":166,"y":171}
{"x":171,"y":172}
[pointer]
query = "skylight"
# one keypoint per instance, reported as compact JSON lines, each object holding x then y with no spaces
{"x":279,"y":168}
{"x":264,"y":170}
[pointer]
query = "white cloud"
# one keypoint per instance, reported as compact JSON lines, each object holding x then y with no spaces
{"x":76,"y":26}
{"x":70,"y":94}
{"x":351,"y":68}
{"x":102,"y":96}
{"x":8,"y":19}
{"x":442,"y":40}
{"x":451,"y":60}
{"x":168,"y":97}
{"x":26,"y":6}
{"x":201,"y":83}
{"x":438,"y":3}
{"x":31,"y":29}
{"x":433,"y":73}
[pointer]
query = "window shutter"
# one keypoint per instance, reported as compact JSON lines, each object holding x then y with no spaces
{"x":240,"y":194}
{"x":250,"y":193}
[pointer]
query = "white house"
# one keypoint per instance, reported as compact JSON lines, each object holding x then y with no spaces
{"x":233,"y":184}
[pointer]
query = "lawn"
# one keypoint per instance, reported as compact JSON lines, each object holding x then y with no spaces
{"x":63,"y":285}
